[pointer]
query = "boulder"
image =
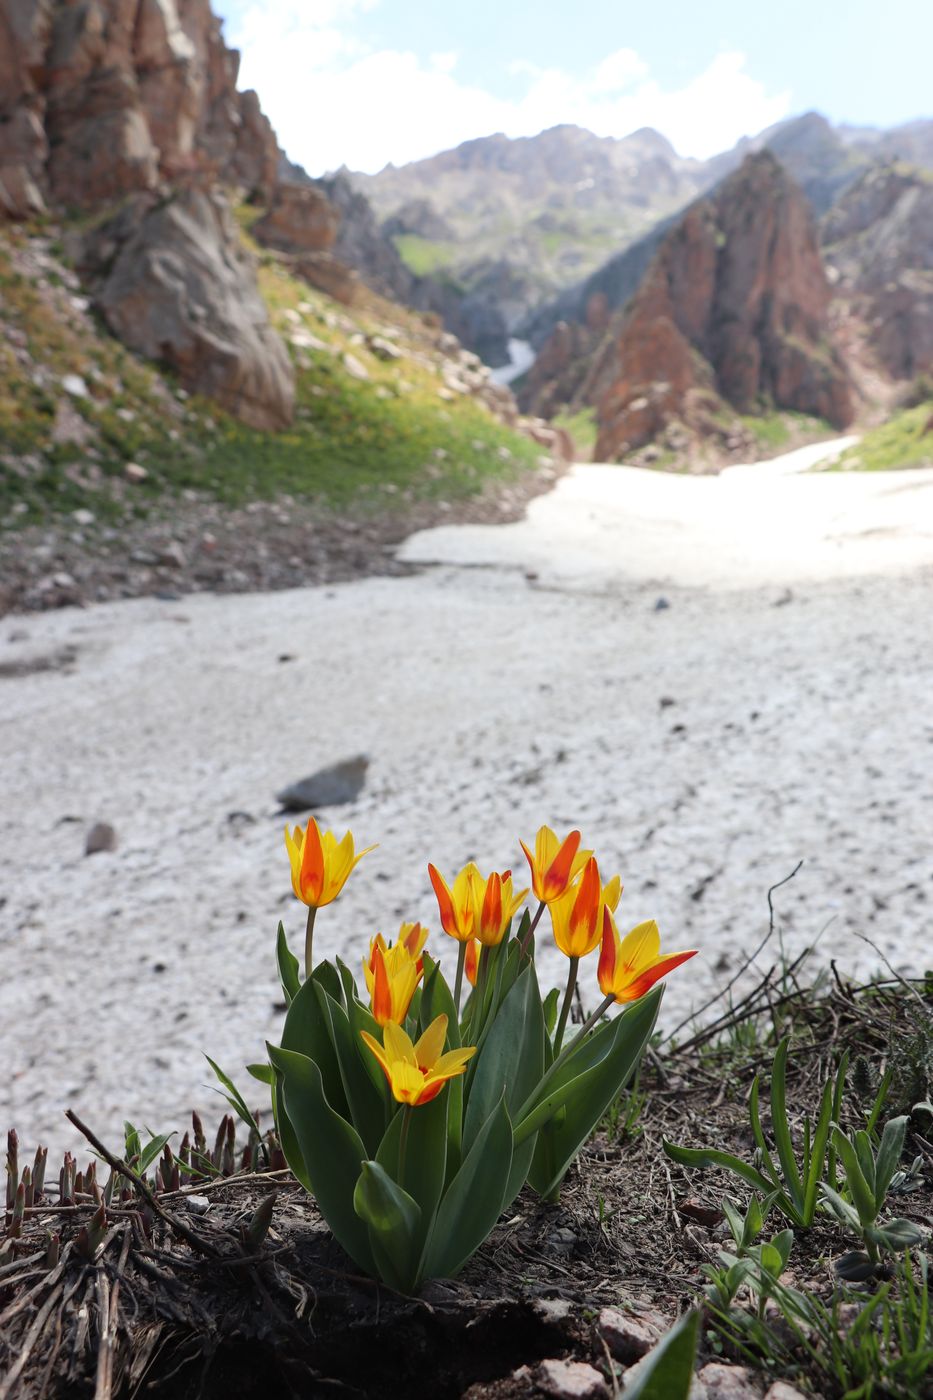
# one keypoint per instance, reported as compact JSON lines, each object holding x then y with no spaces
{"x":177,"y":286}
{"x":300,"y":219}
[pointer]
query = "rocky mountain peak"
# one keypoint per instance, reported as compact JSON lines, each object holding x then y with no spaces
{"x":732,"y":313}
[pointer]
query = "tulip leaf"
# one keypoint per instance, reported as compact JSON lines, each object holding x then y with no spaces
{"x":889,"y":1155}
{"x":361,"y":1019}
{"x":437,"y":999}
{"x":308,"y":1033}
{"x":263,"y":1072}
{"x":551,"y":1003}
{"x":366,"y":1100}
{"x":780,"y":1126}
{"x":511,"y":1058}
{"x":667,"y":1372}
{"x":287,"y":965}
{"x":425,"y":1163}
{"x":286,"y":1133}
{"x":471,"y":1205}
{"x":587,"y":1096}
{"x":330,"y":1148}
{"x":393,"y":1219}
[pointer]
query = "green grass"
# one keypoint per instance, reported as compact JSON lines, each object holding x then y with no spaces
{"x":365,"y":445}
{"x":902,"y":442}
{"x":423,"y":256}
{"x":777,"y":429}
{"x":582,"y":428}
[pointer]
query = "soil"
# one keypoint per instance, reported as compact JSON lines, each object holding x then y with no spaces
{"x":197,"y":545}
{"x":152,"y":1314}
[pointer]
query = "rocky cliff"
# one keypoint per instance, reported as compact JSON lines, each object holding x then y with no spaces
{"x":133,"y":103}
{"x":732,"y":315}
{"x":878,"y":241}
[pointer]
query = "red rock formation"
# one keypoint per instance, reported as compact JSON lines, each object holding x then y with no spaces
{"x":733,"y":308}
{"x":101,"y":98}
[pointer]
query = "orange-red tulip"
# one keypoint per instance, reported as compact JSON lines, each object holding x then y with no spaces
{"x":555,"y":863}
{"x":321,"y":865}
{"x":630,"y":966}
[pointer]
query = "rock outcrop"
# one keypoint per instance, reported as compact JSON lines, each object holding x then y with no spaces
{"x":302,"y":225}
{"x":103,"y":98}
{"x":879,"y":242}
{"x":733,"y":312}
{"x":136,"y":100}
{"x":174,"y":284}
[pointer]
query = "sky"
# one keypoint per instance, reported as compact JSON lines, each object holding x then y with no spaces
{"x":363,"y":83}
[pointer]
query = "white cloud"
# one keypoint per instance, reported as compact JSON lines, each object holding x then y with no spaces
{"x":334,"y":101}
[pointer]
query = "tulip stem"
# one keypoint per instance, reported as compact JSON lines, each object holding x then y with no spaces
{"x":403,"y":1143}
{"x":591,"y":1020}
{"x":458,"y":984}
{"x":529,"y":936}
{"x":309,"y":940}
{"x":565,"y":1009}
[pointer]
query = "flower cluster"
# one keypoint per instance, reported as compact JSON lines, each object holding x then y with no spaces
{"x":414,"y":1119}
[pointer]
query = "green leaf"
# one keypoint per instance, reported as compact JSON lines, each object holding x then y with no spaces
{"x":263,"y":1072}
{"x":233,"y":1096}
{"x":425,"y":1157}
{"x":151,"y":1151}
{"x":817,"y":1157}
{"x":770,"y":1170}
{"x":287,"y":965}
{"x":780,"y":1126}
{"x":862,"y":1195}
{"x":895,"y":1235}
{"x":394,"y":1223}
{"x":866,"y":1160}
{"x":889,"y":1155}
{"x":586,"y":1096}
{"x":667,"y":1371}
{"x":330,"y":1147}
{"x":711,"y":1157}
{"x":365,"y":1100}
{"x":437,"y":999}
{"x":307,"y":1032}
{"x":783,"y":1242}
{"x":512,"y":1057}
{"x":551,"y":1004}
{"x":846,"y":1212}
{"x":471,"y":1205}
{"x":286,"y":1135}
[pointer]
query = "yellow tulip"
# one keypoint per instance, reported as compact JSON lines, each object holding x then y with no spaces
{"x":576,"y":916}
{"x":630,"y":966}
{"x":555,"y":863}
{"x":494,"y":905}
{"x":456,"y":902}
{"x":417,"y":1073}
{"x":391,"y":981}
{"x":321,"y":865}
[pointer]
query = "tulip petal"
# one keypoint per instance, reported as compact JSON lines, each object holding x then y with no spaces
{"x":397,"y":1044}
{"x":641,"y":945}
{"x":382,"y":993}
{"x":643,"y":983}
{"x":429,"y":1047}
{"x":311,"y":877}
{"x":558,"y":872}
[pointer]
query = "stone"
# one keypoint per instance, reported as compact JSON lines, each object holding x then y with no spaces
{"x":83,"y":517}
{"x":571,"y":1380}
{"x":629,"y":1336}
{"x":300,"y":219}
{"x":101,"y":837}
{"x":172,"y":556}
{"x":353,"y":367}
{"x":135,"y":473}
{"x":780,"y":1390}
{"x":177,"y":286}
{"x":328,"y":787}
{"x":384,"y":349}
{"x":75,"y":385}
{"x":723,"y":1382}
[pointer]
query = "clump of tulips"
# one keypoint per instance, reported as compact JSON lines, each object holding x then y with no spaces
{"x":415,"y":1120}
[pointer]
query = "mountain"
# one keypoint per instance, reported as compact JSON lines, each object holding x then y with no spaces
{"x":878,"y":241}
{"x":731,"y":316}
{"x":529,"y":216}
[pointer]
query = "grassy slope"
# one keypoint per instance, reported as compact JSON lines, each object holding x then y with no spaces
{"x":903,"y":441}
{"x":355,"y":443}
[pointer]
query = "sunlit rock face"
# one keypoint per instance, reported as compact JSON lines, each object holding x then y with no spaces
{"x":732,"y":313}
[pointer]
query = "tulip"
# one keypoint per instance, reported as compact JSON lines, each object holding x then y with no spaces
{"x":494,"y":907}
{"x":456,"y":903}
{"x":555,"y":863}
{"x":576,"y":916}
{"x":630,"y":966}
{"x":321,"y":866}
{"x":417,"y":1073}
{"x":392,"y":975}
{"x":414,"y":937}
